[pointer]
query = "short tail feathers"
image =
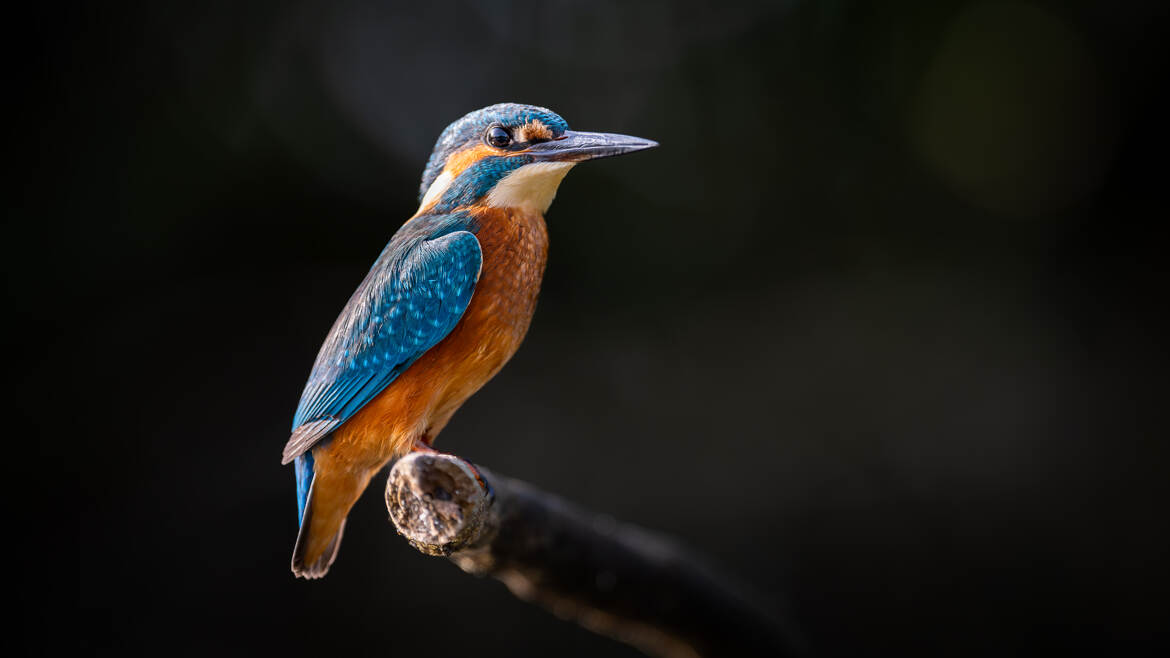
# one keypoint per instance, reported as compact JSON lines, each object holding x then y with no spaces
{"x":317,"y":568}
{"x":304,"y":471}
{"x":311,"y":558}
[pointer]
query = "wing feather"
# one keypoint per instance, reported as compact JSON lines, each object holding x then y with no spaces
{"x":413,"y":296}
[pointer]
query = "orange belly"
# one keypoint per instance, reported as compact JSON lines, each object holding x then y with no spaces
{"x":419,"y":403}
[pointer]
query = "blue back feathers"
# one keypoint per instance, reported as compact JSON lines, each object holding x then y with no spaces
{"x":472,"y":126}
{"x":412,"y":297}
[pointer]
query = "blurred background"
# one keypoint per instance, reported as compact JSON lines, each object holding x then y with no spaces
{"x":875,"y":328}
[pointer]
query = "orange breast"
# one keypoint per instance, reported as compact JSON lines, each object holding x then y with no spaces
{"x":421,"y":401}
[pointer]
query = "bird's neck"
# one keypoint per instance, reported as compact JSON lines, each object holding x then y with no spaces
{"x":530,"y":188}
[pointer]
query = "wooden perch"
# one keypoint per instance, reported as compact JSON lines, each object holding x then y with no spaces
{"x":610,"y":577}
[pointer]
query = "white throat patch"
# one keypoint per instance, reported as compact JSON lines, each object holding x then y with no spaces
{"x":436,"y":190}
{"x":531,"y":187}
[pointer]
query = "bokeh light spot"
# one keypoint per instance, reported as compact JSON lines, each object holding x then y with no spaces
{"x":1012,"y":113}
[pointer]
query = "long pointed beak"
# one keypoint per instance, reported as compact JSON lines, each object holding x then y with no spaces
{"x":577,"y":146}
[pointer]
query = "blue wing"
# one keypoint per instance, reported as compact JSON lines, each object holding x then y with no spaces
{"x":412,"y":298}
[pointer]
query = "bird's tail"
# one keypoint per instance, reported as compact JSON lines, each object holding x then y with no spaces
{"x":322,"y":523}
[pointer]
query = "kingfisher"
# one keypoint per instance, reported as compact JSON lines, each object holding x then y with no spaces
{"x":440,"y":312}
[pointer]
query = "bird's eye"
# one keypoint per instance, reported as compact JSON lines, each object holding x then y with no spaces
{"x":498,"y":137}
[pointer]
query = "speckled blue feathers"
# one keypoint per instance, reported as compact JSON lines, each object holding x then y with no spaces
{"x":477,"y":180}
{"x":412,"y":297}
{"x":472,"y":126}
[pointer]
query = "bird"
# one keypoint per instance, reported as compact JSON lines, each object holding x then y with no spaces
{"x":443,"y":308}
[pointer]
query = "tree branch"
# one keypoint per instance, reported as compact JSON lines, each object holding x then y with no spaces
{"x":610,"y":577}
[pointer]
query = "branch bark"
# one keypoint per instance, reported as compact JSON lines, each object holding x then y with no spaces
{"x":612,"y":578}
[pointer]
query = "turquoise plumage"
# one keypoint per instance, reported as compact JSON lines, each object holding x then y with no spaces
{"x":411,"y":299}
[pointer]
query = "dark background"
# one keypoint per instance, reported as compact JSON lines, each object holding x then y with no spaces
{"x":875,"y":328}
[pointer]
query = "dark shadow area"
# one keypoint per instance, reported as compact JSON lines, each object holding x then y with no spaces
{"x":893,"y":283}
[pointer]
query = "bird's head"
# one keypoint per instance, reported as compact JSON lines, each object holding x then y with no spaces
{"x":510,"y":156}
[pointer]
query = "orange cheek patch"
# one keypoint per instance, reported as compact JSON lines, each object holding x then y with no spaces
{"x":457,"y":162}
